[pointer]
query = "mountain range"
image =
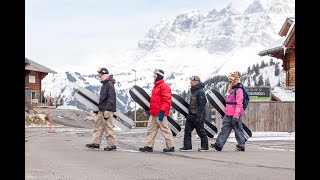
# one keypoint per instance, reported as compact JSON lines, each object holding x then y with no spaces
{"x":208,"y":45}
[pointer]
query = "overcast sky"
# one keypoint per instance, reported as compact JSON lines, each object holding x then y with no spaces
{"x":62,"y":33}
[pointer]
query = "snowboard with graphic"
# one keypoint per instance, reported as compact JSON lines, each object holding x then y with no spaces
{"x":143,"y":99}
{"x":91,"y":100}
{"x":219,"y":103}
{"x":179,"y":104}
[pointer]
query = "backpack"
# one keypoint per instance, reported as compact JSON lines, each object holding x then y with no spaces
{"x":246,"y":98}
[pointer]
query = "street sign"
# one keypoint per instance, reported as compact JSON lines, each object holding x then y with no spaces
{"x":259,"y":93}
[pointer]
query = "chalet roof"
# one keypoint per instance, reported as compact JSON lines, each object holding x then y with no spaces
{"x":290,"y":37}
{"x":288,"y":32}
{"x":33,"y":66}
{"x":271,"y":51}
{"x":286,"y":26}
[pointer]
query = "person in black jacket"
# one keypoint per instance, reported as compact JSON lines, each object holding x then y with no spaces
{"x":107,"y":107}
{"x":196,"y":116}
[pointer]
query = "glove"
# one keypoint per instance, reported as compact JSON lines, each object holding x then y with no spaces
{"x":235,"y":121}
{"x":161,"y":115}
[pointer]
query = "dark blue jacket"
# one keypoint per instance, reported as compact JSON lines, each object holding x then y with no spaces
{"x":198,"y":103}
{"x":107,"y":100}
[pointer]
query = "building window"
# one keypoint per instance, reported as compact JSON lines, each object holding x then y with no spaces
{"x":32,"y":79}
{"x":33,"y":95}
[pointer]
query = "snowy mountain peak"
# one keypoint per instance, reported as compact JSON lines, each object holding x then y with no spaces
{"x":229,"y":10}
{"x":158,"y":32}
{"x":187,"y":21}
{"x":212,"y":13}
{"x":282,"y":7}
{"x":254,"y":7}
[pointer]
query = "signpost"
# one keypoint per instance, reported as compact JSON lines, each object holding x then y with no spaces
{"x":259,"y":93}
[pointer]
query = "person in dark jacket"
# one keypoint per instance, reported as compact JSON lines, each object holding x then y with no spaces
{"x":160,"y":103}
{"x":196,"y":116}
{"x":107,"y":107}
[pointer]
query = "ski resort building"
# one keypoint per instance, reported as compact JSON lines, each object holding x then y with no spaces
{"x":34,"y":73}
{"x":285,"y":52}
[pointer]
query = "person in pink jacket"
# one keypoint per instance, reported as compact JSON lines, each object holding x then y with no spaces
{"x":233,"y":113}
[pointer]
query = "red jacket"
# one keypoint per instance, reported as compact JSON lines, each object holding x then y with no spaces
{"x":160,"y":98}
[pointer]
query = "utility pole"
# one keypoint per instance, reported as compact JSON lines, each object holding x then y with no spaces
{"x":135,"y":104}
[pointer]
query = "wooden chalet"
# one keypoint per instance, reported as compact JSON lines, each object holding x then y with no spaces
{"x":285,"y":52}
{"x":34,"y":73}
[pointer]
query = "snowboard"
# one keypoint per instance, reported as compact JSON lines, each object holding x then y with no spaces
{"x":91,"y":100}
{"x":143,"y":99}
{"x":179,"y":104}
{"x":219,"y":103}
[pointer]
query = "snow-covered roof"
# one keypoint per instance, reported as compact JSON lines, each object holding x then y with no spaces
{"x":283,"y":94}
{"x":271,"y":50}
{"x":33,"y":66}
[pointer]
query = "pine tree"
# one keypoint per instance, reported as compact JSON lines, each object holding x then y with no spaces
{"x":249,"y":69}
{"x":267,"y":82}
{"x":271,"y":62}
{"x":256,"y":70}
{"x":260,"y":82}
{"x":262,"y":65}
{"x":249,"y":82}
{"x":254,"y":80}
{"x":276,"y":70}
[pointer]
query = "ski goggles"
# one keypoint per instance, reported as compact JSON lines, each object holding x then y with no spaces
{"x":231,"y":78}
{"x":156,"y":71}
{"x":194,"y":78}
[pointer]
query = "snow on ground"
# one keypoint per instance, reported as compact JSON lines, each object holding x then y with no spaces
{"x":266,"y":136}
{"x":283,"y":94}
{"x":68,"y":107}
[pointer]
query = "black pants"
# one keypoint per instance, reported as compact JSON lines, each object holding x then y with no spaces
{"x":199,"y":126}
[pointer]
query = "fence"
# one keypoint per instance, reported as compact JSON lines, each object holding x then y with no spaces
{"x":267,"y":116}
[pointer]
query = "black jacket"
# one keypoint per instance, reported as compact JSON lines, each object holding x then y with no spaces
{"x":107,"y":100}
{"x":198,"y":103}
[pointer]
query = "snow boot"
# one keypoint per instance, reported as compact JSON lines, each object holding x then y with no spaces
{"x":169,"y":149}
{"x":110,"y":148}
{"x":146,"y":149}
{"x":93,"y":146}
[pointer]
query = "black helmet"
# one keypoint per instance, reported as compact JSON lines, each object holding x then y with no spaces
{"x":103,"y":71}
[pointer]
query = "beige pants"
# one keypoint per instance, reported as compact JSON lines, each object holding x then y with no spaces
{"x":103,"y":123}
{"x":153,"y":126}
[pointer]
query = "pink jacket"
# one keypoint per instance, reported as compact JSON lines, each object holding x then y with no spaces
{"x":235,"y":110}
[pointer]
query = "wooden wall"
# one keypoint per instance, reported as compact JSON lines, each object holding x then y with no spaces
{"x":267,"y":116}
{"x":33,"y":87}
{"x":290,"y":74}
{"x":38,"y":77}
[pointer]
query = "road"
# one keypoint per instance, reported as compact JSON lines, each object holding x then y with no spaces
{"x":63,"y":155}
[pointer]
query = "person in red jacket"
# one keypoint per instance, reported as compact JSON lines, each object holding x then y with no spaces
{"x":160,"y":103}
